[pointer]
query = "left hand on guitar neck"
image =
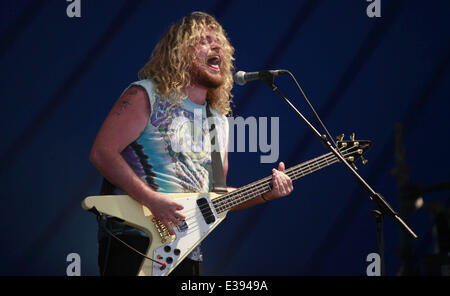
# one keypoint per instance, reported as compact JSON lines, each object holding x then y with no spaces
{"x":281,"y":184}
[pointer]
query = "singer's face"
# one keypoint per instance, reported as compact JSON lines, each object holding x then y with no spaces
{"x":207,"y":65}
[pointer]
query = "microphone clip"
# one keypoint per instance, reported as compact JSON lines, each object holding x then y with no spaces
{"x":268,"y":78}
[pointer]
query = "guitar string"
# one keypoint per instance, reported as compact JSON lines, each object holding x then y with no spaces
{"x":195,"y":225}
{"x":243,"y":191}
{"x":257,"y":190}
{"x":261,"y":186}
{"x":293,"y":169}
{"x":294,"y":172}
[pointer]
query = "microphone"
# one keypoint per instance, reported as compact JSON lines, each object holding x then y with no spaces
{"x":242,"y":77}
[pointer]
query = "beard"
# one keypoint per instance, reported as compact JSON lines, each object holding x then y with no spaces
{"x":203,"y":76}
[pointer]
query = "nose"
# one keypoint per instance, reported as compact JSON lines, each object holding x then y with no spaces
{"x":215,"y":46}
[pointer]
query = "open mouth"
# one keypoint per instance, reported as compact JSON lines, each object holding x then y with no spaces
{"x":214,"y":62}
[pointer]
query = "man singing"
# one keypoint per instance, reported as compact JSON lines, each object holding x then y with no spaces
{"x":189,"y":70}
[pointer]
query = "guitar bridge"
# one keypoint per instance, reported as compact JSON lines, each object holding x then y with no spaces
{"x":162,"y":229}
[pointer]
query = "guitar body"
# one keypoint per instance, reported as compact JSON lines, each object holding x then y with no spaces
{"x":201,"y":219}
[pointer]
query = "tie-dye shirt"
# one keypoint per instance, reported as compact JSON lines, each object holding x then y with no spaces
{"x":172,"y":154}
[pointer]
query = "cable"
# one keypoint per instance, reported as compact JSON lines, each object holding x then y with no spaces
{"x":102,"y":222}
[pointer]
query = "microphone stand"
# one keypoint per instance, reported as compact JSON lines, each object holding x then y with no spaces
{"x":382,"y":207}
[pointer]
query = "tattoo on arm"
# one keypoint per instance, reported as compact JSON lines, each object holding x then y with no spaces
{"x":123,"y":104}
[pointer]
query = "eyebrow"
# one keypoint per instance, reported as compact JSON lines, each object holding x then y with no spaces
{"x":211,"y":37}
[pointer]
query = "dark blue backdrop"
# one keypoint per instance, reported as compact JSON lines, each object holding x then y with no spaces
{"x":60,"y":76}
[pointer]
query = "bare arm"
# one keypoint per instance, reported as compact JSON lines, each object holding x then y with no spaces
{"x":122,"y":126}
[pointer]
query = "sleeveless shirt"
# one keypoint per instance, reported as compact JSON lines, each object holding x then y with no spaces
{"x":172,"y":154}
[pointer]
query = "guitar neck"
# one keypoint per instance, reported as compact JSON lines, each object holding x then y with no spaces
{"x":252,"y":190}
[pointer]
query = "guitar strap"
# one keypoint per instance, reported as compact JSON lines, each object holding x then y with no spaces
{"x":107,"y":187}
{"x":219,"y":184}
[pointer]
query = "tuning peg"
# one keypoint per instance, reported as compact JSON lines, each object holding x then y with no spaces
{"x":340,"y":137}
{"x":354,"y":166}
{"x":363,"y":160}
{"x":352,"y":136}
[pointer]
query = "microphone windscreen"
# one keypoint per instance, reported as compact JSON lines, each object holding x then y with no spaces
{"x":239,"y":78}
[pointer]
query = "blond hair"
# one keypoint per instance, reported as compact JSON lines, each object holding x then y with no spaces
{"x":171,"y":61}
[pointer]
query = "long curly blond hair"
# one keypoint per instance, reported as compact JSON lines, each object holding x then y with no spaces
{"x":170,"y":63}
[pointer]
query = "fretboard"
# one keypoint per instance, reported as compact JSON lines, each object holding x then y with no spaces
{"x":252,"y":190}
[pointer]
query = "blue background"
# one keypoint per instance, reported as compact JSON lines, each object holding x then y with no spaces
{"x":60,"y":76}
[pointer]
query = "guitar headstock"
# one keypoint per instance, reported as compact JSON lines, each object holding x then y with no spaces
{"x":353,"y":149}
